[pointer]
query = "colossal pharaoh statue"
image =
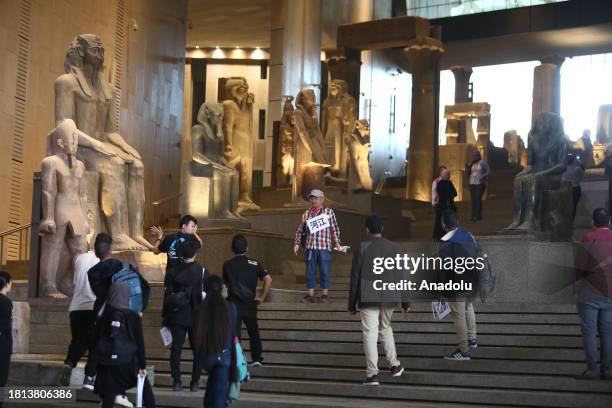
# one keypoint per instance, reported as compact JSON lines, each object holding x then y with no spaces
{"x":238,"y":132}
{"x":82,"y":94}
{"x":64,"y":223}
{"x":359,"y":152}
{"x":338,"y":116}
{"x":210,"y":190}
{"x":542,"y":202}
{"x":310,"y":158}
{"x":287,"y":145}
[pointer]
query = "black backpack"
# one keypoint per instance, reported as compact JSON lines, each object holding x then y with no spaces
{"x":116,"y":344}
{"x":177,"y":298}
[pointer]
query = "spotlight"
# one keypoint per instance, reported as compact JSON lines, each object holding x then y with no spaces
{"x":237,"y":47}
{"x":217,"y":47}
{"x":197,"y":47}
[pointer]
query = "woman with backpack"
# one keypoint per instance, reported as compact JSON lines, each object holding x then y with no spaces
{"x":120,"y":350}
{"x":214,"y":340}
{"x":182,"y":297}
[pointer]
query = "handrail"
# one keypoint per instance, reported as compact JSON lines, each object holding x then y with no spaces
{"x":14,"y":230}
{"x":166,"y":199}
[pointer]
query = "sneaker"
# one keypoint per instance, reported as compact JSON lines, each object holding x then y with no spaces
{"x":588,"y":375}
{"x":325,"y":299}
{"x":177,"y":386}
{"x":88,"y":383}
{"x":256,"y":363}
{"x":397,"y":370}
{"x":373,"y":380}
{"x":194,"y":386}
{"x":473,"y":343}
{"x":308,"y":299}
{"x":123,"y":401}
{"x":459,"y":355}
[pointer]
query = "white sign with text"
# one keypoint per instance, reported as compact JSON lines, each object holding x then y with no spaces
{"x":318,"y":223}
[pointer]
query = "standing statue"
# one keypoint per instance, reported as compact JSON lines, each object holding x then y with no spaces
{"x":542,"y":203}
{"x":238,"y":131}
{"x":287,"y":145}
{"x":359,"y":151}
{"x":310,"y":158}
{"x":338,"y":115}
{"x":207,"y":161}
{"x":82,"y":94}
{"x":64,"y":212}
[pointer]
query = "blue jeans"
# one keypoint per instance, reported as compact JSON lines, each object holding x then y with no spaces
{"x":217,"y":385}
{"x":320,"y":258}
{"x":594,"y":315}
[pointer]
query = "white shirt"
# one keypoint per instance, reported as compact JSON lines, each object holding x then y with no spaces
{"x":83,"y":298}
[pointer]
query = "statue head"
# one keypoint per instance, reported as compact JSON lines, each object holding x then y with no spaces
{"x":337,"y":88}
{"x":238,"y":88}
{"x":211,"y":113}
{"x":362,"y":128}
{"x":85,"y":49}
{"x":307,"y":99}
{"x":547,"y":125}
{"x":64,"y":139}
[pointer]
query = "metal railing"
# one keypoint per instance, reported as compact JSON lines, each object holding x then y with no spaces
{"x":165,"y":208}
{"x":22,"y":250}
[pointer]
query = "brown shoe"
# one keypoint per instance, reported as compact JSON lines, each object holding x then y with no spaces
{"x":325,"y":299}
{"x":308,"y":299}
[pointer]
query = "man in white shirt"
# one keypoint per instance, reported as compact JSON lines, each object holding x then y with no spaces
{"x":82,"y":317}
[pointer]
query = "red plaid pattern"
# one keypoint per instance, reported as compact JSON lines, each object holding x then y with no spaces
{"x":321,"y":239}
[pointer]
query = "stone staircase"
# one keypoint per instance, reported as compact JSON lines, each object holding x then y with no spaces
{"x":527,"y":357}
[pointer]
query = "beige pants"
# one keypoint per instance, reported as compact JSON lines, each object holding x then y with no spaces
{"x":375,"y":323}
{"x":462,"y":312}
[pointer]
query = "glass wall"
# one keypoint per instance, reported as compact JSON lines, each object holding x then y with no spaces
{"x":449,"y":8}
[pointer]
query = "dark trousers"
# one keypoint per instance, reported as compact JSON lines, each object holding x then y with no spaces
{"x":5,"y":362}
{"x":476,"y":192}
{"x":178,"y":339}
{"x":148,"y":399}
{"x":249,"y":317}
{"x":217,"y":385}
{"x":576,"y":193}
{"x":81,"y":328}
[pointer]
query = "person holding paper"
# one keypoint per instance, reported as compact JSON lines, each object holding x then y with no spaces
{"x":182,"y":297}
{"x":316,"y":233}
{"x":459,"y":243}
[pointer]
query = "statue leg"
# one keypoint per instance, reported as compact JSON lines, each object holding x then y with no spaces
{"x":343,"y":158}
{"x":51,"y":248}
{"x":246,"y":168}
{"x":136,"y":203}
{"x":234,"y":192}
{"x":518,"y":204}
{"x":113,"y":203}
{"x":77,"y":245}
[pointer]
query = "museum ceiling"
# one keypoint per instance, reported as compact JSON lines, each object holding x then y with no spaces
{"x":229,"y":23}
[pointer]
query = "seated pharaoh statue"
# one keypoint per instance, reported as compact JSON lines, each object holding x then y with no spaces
{"x":310,"y":158}
{"x":114,"y":169}
{"x":210,"y":184}
{"x":359,"y":153}
{"x":542,"y":202}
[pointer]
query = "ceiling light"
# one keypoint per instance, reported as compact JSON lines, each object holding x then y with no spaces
{"x":237,"y":47}
{"x":197,"y":47}
{"x":217,"y":47}
{"x":257,"y":48}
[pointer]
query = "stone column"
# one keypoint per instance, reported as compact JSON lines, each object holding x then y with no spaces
{"x":423,"y":55}
{"x":547,"y":86}
{"x":295,"y":60}
{"x":462,"y":75}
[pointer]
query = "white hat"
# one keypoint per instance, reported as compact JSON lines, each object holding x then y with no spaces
{"x":316,"y":193}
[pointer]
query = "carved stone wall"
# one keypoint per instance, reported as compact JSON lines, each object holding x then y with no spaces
{"x":151,"y":79}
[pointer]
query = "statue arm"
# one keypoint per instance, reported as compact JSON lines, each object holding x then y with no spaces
{"x":300,"y":129}
{"x":64,"y":98}
{"x":115,"y":138}
{"x":228,"y":126}
{"x":324,"y":119}
{"x":83,"y":196}
{"x":49,"y":191}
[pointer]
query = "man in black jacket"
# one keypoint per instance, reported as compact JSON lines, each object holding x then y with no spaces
{"x":375,"y":316}
{"x":182,"y":297}
{"x":100,"y":281}
{"x":241,"y":274}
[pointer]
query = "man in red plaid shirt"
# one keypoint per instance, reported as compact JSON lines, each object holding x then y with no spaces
{"x":321,"y":229}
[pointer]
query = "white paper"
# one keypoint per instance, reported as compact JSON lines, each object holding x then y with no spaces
{"x":203,"y":295}
{"x":343,"y":248}
{"x":440,"y":308}
{"x":318,"y":223}
{"x":166,"y":336}
{"x":139,"y":390}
